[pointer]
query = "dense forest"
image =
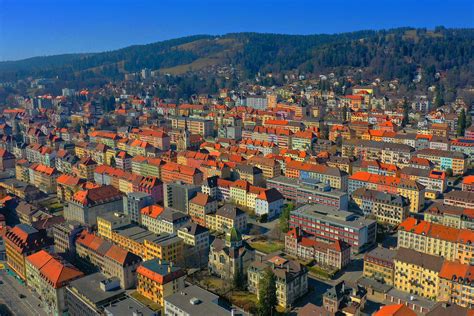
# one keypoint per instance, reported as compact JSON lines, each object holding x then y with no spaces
{"x":387,"y":54}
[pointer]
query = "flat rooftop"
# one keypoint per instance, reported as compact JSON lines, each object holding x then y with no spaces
{"x":89,"y":287}
{"x":205,"y":302}
{"x":333,"y":215}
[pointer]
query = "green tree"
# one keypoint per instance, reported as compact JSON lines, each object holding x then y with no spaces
{"x":439,"y":99}
{"x":461,"y":122}
{"x":113,"y":163}
{"x":468,"y":120}
{"x":267,"y":299}
{"x":238,"y":281}
{"x":449,"y":172}
{"x":285,"y":217}
{"x":406,"y":111}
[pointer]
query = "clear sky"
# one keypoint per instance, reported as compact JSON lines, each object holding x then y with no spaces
{"x":46,"y":27}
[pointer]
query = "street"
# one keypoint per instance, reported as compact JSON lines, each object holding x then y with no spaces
{"x":10,"y":289}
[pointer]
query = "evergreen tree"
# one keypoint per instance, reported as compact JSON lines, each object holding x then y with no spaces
{"x":238,"y":281}
{"x":468,"y":120}
{"x":406,"y":112}
{"x":285,"y":217}
{"x":461,"y":122}
{"x":439,"y":99}
{"x":267,"y":299}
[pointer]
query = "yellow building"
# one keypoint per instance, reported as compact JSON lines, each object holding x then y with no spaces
{"x":158,"y":279}
{"x":435,"y":239}
{"x":379,"y":265}
{"x":291,"y":279}
{"x":417,"y":273}
{"x":456,"y":284}
{"x":20,"y":242}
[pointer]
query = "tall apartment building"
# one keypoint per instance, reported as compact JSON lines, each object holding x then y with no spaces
{"x":178,"y":194}
{"x":199,"y":126}
{"x":133,"y":203}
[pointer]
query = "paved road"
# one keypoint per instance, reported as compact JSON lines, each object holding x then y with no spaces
{"x":10,"y":289}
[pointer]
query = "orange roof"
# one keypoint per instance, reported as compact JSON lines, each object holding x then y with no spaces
{"x":276,"y":122}
{"x":152,"y":211}
{"x":456,"y":270}
{"x":69,"y":180}
{"x":395,"y":310}
{"x":53,"y":269}
{"x":201,"y":199}
{"x":417,"y":227}
{"x":468,"y":180}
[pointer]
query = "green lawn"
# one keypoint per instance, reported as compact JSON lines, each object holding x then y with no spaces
{"x":245,"y":300}
{"x":152,"y":305}
{"x":320,"y":272}
{"x":267,"y":246}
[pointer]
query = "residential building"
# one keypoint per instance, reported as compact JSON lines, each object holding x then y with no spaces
{"x":379,"y":265}
{"x":455,"y":284}
{"x":196,"y":242}
{"x":434,"y":181}
{"x":111,"y":260}
{"x":332,"y":224}
{"x":251,"y":174}
{"x":460,"y":198}
{"x":444,"y":160}
{"x":90,"y":295}
{"x":22,"y":241}
{"x":7,"y":160}
{"x":172,"y":172}
{"x":87,"y":204}
{"x":449,"y":215}
{"x":47,"y":275}
{"x":387,"y":208}
{"x":167,"y":220}
{"x":269,"y":203}
{"x":334,"y":177}
{"x":417,"y":273}
{"x":200,"y":206}
{"x":178,"y":194}
{"x":410,"y":189}
{"x":202,"y":127}
{"x":333,"y":254}
{"x":134,"y":202}
{"x":438,"y":240}
{"x":65,"y":235}
{"x":291,"y":278}
{"x":195,"y":301}
{"x":158,"y":279}
{"x":226,"y":217}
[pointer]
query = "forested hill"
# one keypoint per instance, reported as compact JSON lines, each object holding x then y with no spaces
{"x":388,"y":54}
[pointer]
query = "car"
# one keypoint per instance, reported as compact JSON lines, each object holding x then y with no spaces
{"x":21,"y":295}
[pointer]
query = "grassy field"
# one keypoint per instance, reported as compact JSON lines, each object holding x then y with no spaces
{"x":320,"y":272}
{"x":245,"y":300}
{"x":267,"y":246}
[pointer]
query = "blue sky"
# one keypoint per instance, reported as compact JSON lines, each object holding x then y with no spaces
{"x":46,"y":27}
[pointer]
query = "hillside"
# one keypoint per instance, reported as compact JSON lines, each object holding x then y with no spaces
{"x":387,"y":54}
